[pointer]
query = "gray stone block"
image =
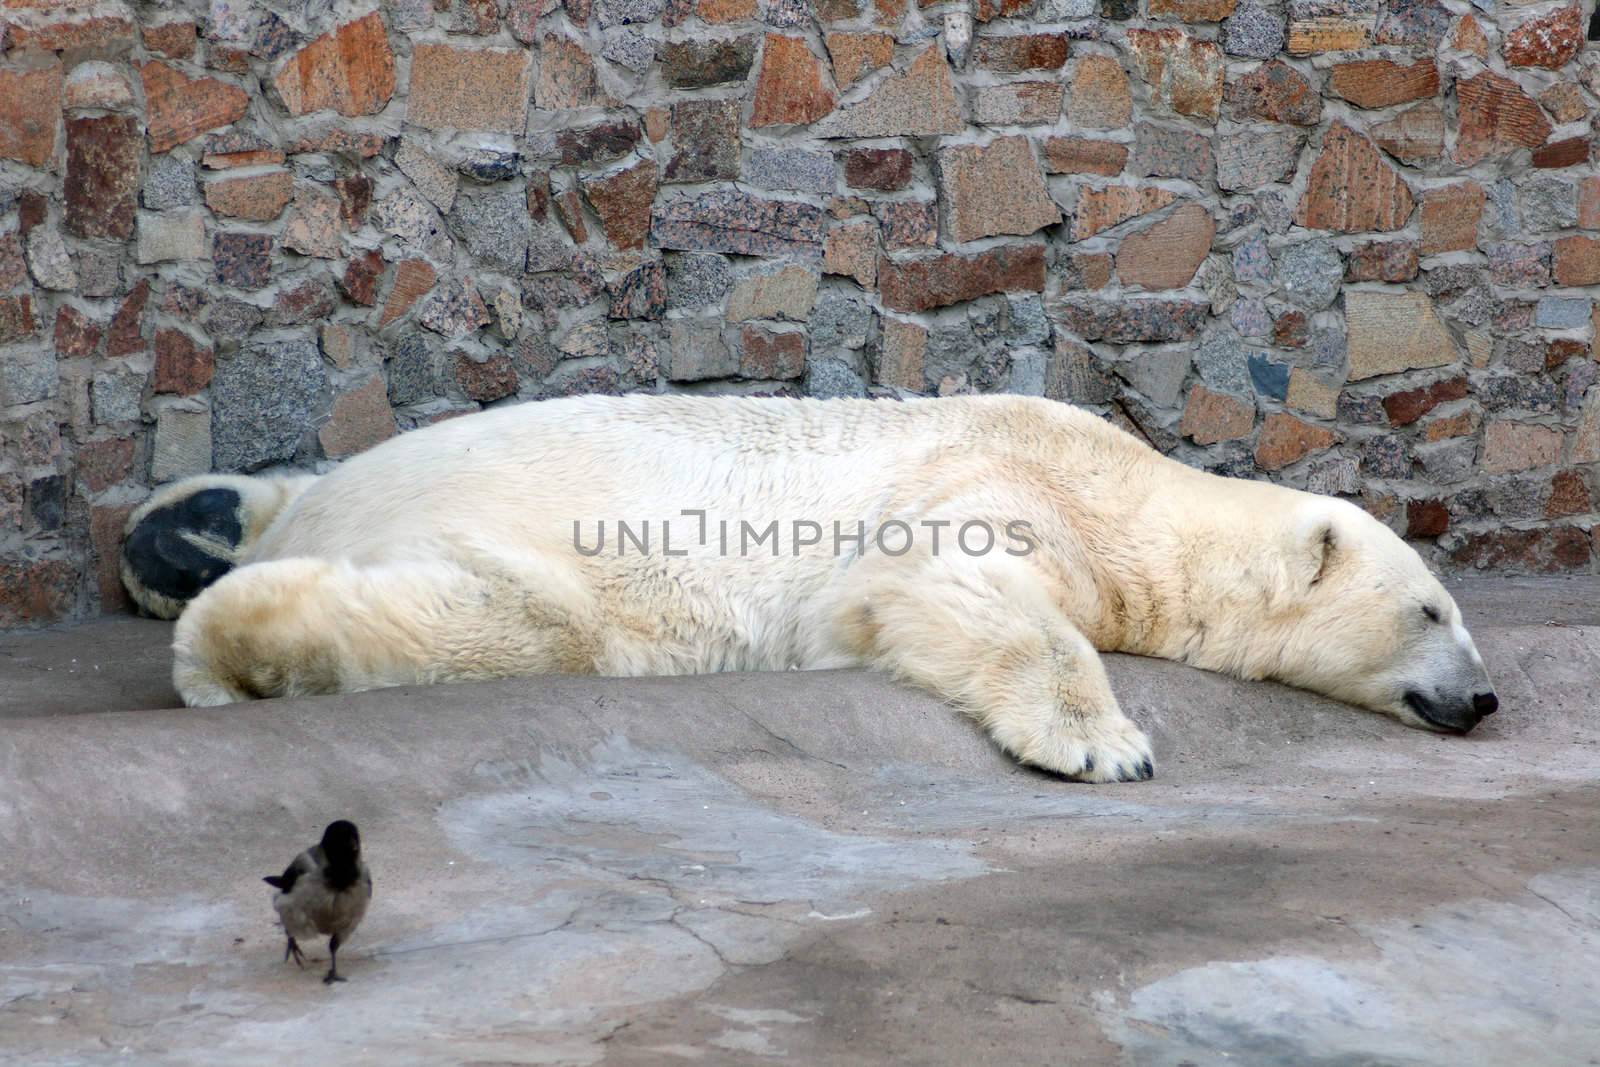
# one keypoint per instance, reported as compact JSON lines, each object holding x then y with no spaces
{"x":1252,"y":31}
{"x":182,"y":441}
{"x":169,"y":182}
{"x":115,"y":396}
{"x":827,"y":378}
{"x":1310,"y":274}
{"x":696,"y":279}
{"x":264,"y":399}
{"x":494,"y":227}
{"x":27,"y":375}
{"x":789,"y":168}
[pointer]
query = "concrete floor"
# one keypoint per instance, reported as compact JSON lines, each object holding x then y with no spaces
{"x":821,"y":867}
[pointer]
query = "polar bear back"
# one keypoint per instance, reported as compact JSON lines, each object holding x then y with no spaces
{"x":523,"y":473}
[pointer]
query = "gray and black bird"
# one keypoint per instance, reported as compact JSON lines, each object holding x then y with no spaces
{"x":324,"y":893}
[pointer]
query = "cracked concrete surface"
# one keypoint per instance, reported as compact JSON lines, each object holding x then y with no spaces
{"x":818,"y":867}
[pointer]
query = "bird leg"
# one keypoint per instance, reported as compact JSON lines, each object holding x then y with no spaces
{"x":333,"y":974}
{"x":293,"y":949}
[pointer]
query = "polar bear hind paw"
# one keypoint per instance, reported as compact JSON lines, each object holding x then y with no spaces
{"x":192,"y":532}
{"x":174,"y":550}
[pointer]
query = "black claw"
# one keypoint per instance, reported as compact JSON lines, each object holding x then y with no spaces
{"x":1088,"y":765}
{"x":330,"y":978}
{"x":1137,"y":774}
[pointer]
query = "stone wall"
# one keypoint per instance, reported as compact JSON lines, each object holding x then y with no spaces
{"x":1344,"y":244}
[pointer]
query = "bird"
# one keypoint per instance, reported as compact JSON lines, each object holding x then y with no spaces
{"x":324,"y":893}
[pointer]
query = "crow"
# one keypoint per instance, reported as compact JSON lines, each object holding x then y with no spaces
{"x":324,"y":893}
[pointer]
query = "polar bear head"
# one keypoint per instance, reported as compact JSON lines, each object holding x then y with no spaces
{"x":1350,"y":610}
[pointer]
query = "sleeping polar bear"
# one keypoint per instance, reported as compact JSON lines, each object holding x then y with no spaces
{"x":983,"y":548}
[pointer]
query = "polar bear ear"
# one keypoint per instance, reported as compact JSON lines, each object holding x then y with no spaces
{"x":1319,"y":542}
{"x":1311,"y":549}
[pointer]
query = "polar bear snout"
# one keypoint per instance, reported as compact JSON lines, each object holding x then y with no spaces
{"x":1440,"y":681}
{"x":1454,"y":716}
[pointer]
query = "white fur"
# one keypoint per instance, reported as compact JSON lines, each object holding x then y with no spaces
{"x":449,"y":554}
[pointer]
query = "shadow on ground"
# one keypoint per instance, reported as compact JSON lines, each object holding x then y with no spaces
{"x":821,"y":867}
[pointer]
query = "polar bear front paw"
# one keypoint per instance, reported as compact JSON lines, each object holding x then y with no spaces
{"x":1102,"y":749}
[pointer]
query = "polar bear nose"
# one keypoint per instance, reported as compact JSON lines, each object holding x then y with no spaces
{"x":1485,"y":704}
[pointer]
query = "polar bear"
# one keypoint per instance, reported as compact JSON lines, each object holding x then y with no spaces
{"x":983,"y":548}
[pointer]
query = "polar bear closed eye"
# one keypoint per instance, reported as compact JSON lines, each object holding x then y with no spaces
{"x":984,"y":548}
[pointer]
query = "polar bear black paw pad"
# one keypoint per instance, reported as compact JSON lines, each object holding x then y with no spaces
{"x":177,"y":550}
